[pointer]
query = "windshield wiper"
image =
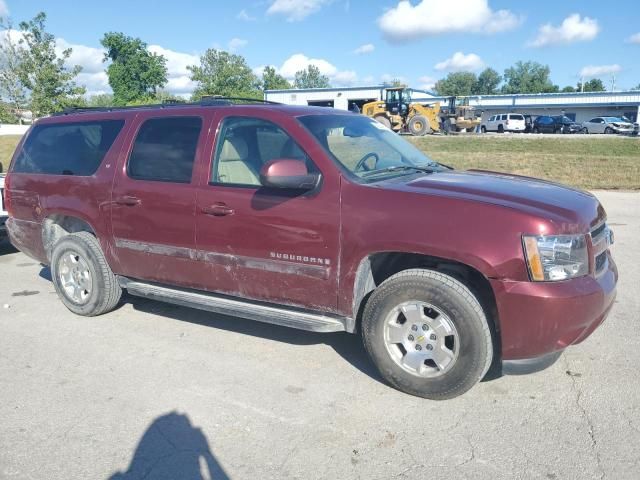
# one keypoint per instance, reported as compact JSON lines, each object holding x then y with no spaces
{"x":398,"y":168}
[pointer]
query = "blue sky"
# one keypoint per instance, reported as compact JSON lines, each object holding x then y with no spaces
{"x":417,"y":41}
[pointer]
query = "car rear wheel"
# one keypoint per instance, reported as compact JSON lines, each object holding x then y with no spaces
{"x":427,"y":334}
{"x":81,"y":276}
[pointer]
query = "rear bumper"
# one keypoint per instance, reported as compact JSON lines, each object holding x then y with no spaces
{"x":538,"y":319}
{"x":26,"y":236}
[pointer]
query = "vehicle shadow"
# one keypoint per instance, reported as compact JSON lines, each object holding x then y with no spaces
{"x":172,"y":447}
{"x":347,"y":345}
{"x":6,"y":248}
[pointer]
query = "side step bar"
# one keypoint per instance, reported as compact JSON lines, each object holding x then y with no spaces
{"x":302,"y":320}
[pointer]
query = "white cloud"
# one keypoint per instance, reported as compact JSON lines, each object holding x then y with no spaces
{"x":295,"y":10}
{"x":178,"y":81}
{"x":236,"y":44}
{"x":407,"y":22}
{"x":598,"y":70}
{"x":299,"y":61}
{"x":635,"y":38}
{"x":363,"y":49}
{"x":244,"y":16}
{"x":427,"y":83}
{"x":574,"y":28}
{"x":4,"y":10}
{"x":460,"y":62}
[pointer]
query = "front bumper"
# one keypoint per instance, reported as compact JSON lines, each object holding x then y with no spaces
{"x":537,"y":319}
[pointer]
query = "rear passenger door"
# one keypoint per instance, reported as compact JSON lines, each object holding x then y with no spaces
{"x":153,"y":199}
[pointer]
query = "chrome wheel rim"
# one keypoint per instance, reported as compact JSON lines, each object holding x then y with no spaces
{"x":75,"y":277}
{"x":421,"y":339}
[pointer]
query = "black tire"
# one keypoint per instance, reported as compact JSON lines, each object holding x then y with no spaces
{"x":584,"y":131}
{"x":475,"y":350}
{"x":483,"y":129}
{"x":105,"y":292}
{"x":419,"y":125}
{"x":500,"y":129}
{"x":608,"y":130}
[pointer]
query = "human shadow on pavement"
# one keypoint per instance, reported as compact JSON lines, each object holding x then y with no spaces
{"x":172,"y":448}
{"x":347,"y":345}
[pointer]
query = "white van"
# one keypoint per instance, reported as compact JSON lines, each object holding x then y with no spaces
{"x":504,"y":122}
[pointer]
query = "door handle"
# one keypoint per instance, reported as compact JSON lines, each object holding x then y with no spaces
{"x":218,"y":210}
{"x":128,"y":200}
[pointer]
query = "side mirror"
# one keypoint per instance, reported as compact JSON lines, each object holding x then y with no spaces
{"x":288,"y":173}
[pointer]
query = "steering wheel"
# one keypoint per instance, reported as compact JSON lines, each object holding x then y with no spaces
{"x":362,"y":165}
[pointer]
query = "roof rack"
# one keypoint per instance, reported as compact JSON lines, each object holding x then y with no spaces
{"x":205,"y":101}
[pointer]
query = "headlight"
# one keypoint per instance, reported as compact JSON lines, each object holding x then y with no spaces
{"x":556,"y":257}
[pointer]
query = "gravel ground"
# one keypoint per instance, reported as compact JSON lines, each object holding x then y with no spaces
{"x":157,"y":391}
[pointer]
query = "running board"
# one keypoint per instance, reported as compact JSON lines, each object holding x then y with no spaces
{"x":236,"y":308}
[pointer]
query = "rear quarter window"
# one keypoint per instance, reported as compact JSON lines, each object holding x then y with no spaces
{"x":67,"y":148}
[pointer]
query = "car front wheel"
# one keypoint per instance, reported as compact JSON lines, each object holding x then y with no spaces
{"x":427,"y":334}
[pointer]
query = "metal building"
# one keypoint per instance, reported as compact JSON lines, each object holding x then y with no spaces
{"x":577,"y":106}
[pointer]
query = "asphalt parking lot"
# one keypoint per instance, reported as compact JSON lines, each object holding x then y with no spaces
{"x":157,"y":391}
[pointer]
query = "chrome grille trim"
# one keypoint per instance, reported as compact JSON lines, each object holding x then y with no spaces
{"x":600,"y":241}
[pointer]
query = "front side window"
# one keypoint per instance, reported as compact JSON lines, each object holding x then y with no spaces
{"x":366,"y":148}
{"x":245,"y":144}
{"x":165,"y":149}
{"x":67,"y":148}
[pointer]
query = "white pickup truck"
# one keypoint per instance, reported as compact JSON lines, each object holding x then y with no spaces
{"x":3,"y":213}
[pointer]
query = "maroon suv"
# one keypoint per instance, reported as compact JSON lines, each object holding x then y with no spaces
{"x":315,"y":219}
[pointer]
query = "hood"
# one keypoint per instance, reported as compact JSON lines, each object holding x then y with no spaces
{"x":572,"y":210}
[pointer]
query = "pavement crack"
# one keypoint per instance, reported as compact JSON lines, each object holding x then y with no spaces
{"x":586,"y":417}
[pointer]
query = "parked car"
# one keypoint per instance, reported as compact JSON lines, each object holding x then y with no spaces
{"x":317,"y":219}
{"x":505,"y":122}
{"x":607,"y":125}
{"x":3,"y":213}
{"x":555,"y":124}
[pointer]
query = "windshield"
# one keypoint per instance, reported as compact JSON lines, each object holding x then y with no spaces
{"x":365,"y":147}
{"x":613,"y":119}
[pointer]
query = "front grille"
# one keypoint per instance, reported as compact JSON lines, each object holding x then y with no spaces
{"x":600,"y":241}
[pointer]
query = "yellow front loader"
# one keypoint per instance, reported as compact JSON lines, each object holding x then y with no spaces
{"x":400,"y":114}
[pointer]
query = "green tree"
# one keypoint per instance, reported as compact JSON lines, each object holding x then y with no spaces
{"x":43,"y":74}
{"x":135,"y":74}
{"x":100,"y":100}
{"x":528,"y":77}
{"x":271,"y":80}
{"x":457,"y":83}
{"x":637,"y":87}
{"x":487,"y":83}
{"x":12,"y":90}
{"x":568,"y":89}
{"x":224,"y":73}
{"x":311,"y":78}
{"x":593,"y":85}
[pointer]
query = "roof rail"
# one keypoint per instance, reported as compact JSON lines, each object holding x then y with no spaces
{"x":205,"y":101}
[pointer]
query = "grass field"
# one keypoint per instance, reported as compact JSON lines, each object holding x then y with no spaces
{"x":7,"y":146}
{"x":590,"y":162}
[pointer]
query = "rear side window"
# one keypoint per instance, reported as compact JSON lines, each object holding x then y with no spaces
{"x":503,"y":117}
{"x":516,"y":117}
{"x":165,"y":149}
{"x":67,"y":148}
